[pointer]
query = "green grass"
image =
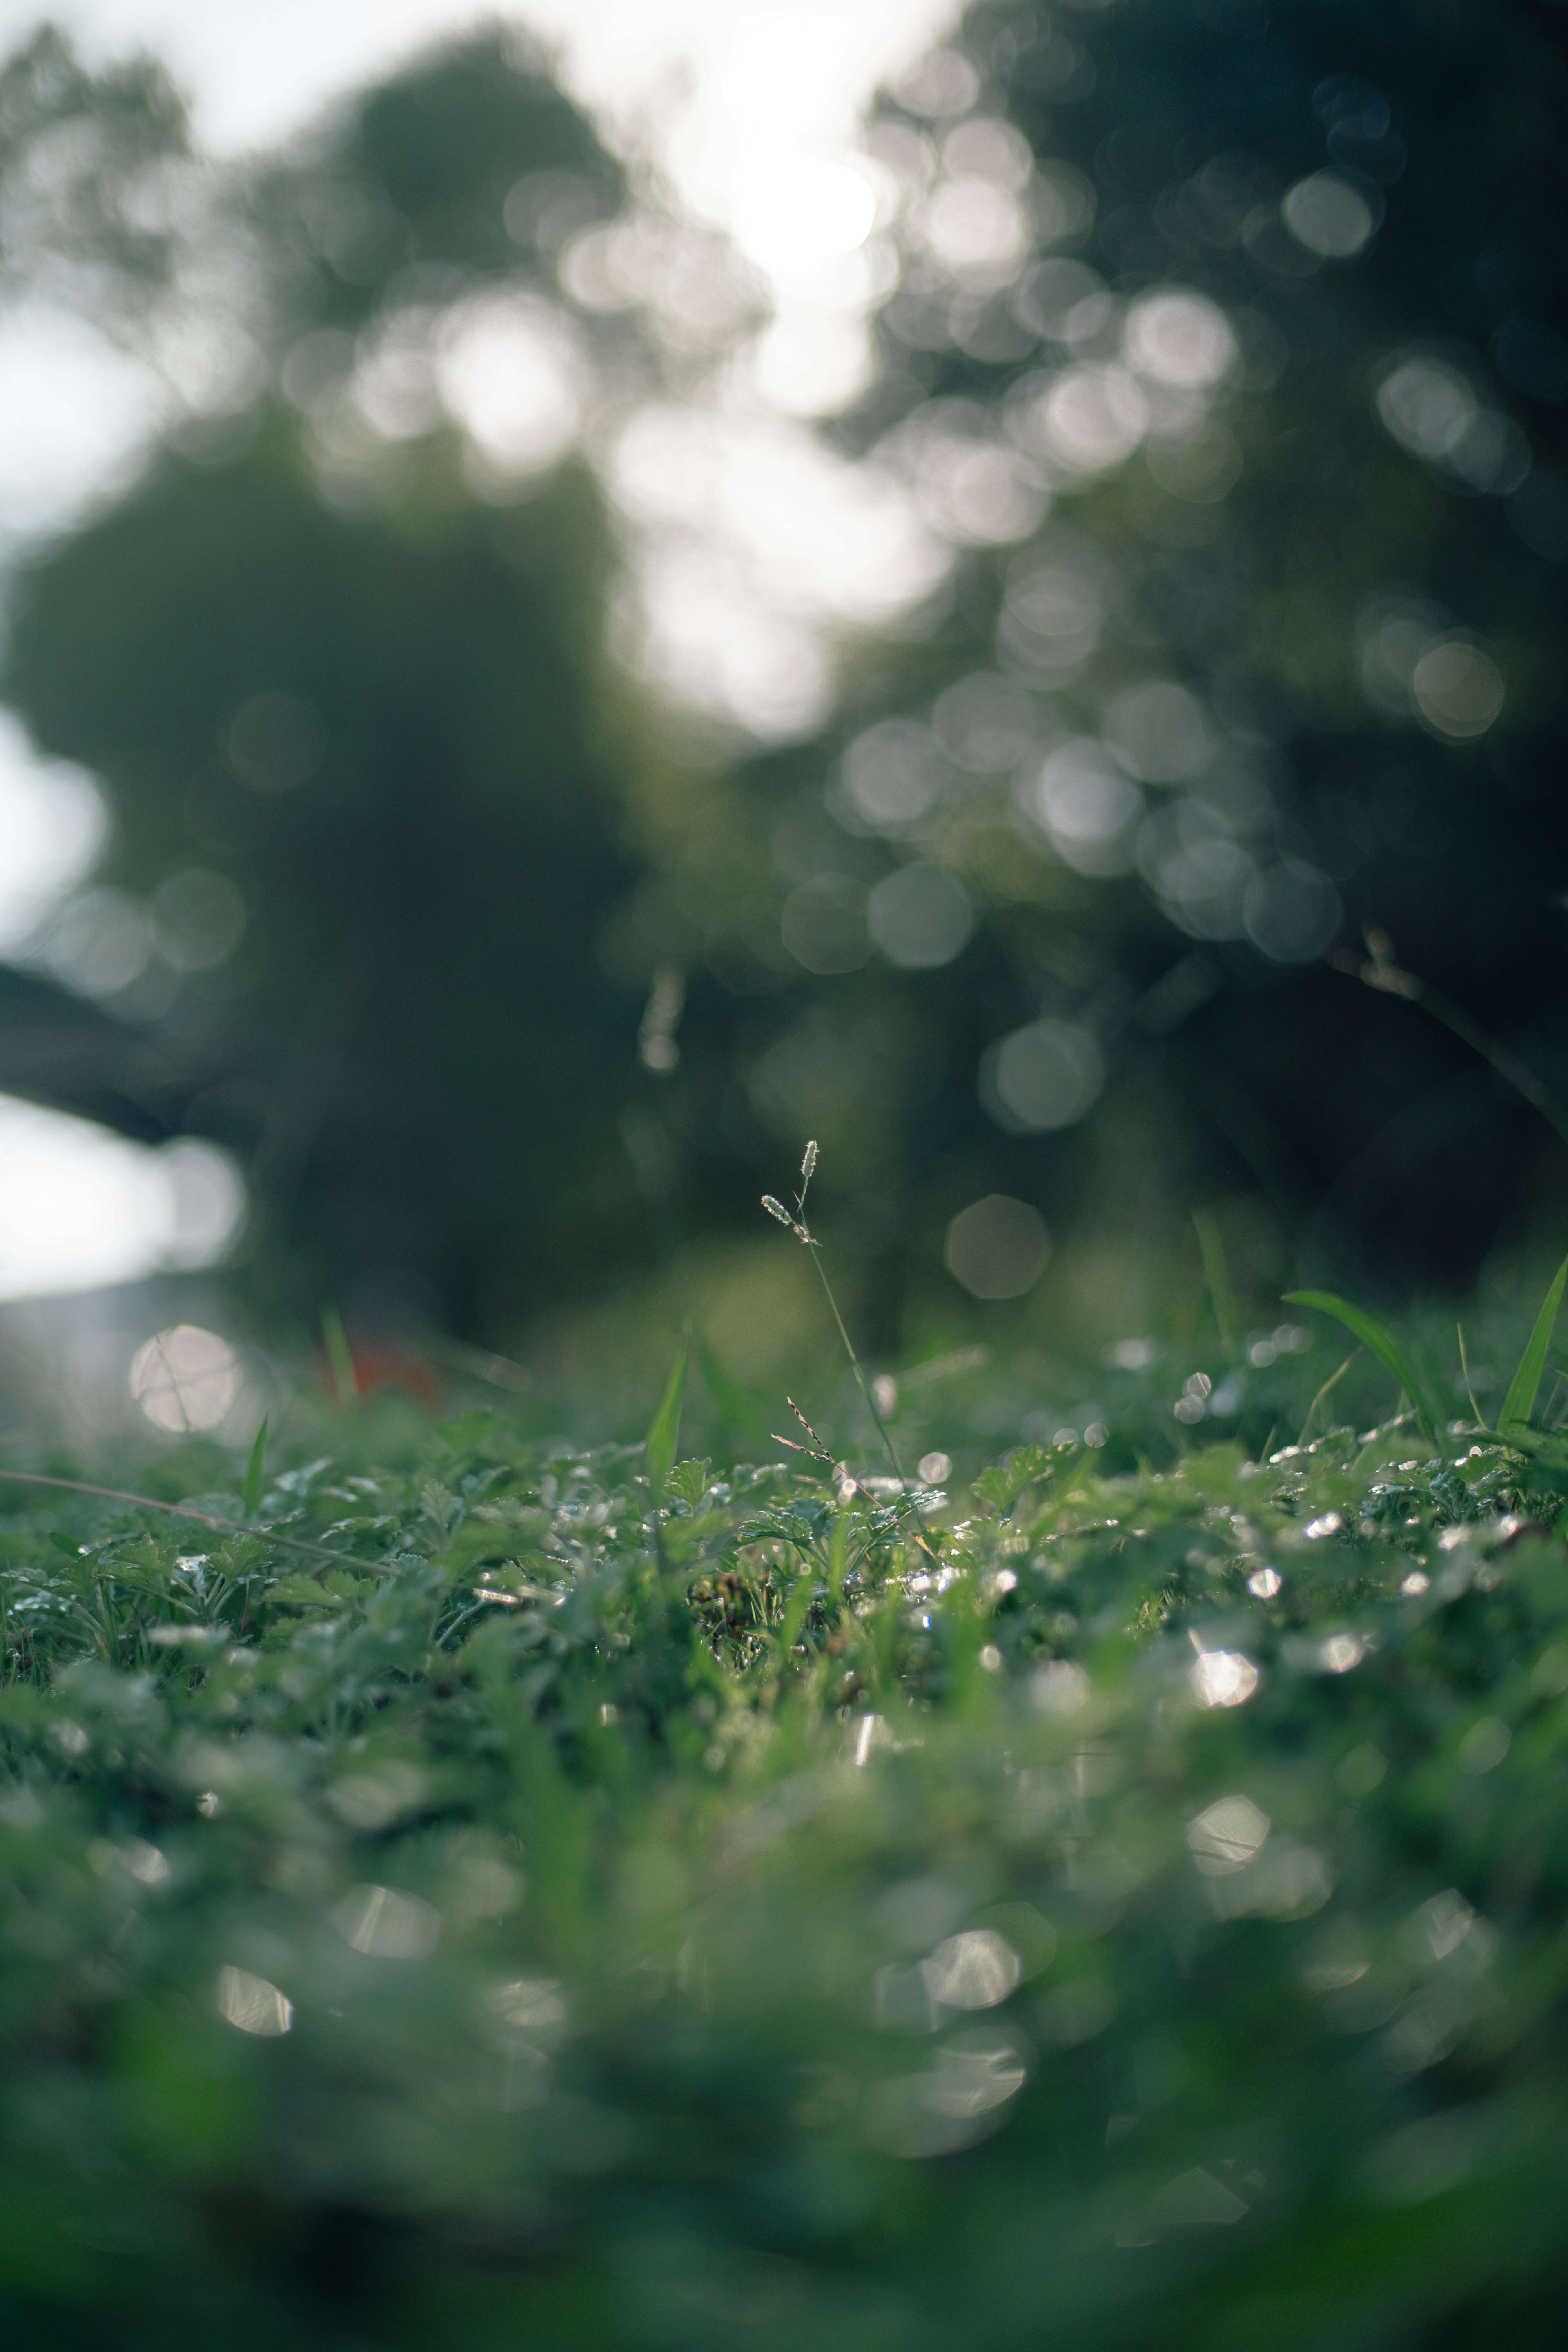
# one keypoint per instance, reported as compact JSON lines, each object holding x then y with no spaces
{"x":1118,"y":1902}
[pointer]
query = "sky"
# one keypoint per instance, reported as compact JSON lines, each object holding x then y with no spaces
{"x":714,"y":85}
{"x":750,"y":111}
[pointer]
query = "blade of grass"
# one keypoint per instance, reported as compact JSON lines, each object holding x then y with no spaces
{"x":1371,"y":1334}
{"x":250,"y":1494}
{"x":1520,"y":1402}
{"x":942,"y":1368}
{"x":797,"y":1607}
{"x":1469,"y":1387}
{"x":836,"y":1557}
{"x":482,"y":1363}
{"x":658,"y":1446}
{"x":1206,"y":1225}
{"x":339,"y":1356}
{"x":1548,"y":1445}
{"x":1331,"y":1383}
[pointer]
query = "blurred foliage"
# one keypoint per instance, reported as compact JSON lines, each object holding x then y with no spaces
{"x":526,"y":996}
{"x":390,"y":729}
{"x":410,"y":193}
{"x":410,"y":1045}
{"x":82,"y":157}
{"x":1162,"y":872}
{"x":1119,"y":1900}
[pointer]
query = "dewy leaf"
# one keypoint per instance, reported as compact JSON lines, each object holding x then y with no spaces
{"x":660,"y":1443}
{"x":252,"y":1490}
{"x":1520,"y":1402}
{"x":1382,"y":1345}
{"x":689,"y":1481}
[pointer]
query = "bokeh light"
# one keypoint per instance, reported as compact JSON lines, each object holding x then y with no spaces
{"x":253,"y":2005}
{"x":1082,"y":798}
{"x":919,"y":917}
{"x":1457,"y":688}
{"x":1042,"y":1076}
{"x":1227,"y":1835}
{"x":998,"y":1247}
{"x":1223,"y":1678}
{"x":792,"y":216}
{"x":1332,"y":215}
{"x":891,"y":777}
{"x":185,"y":1379}
{"x":385,"y":1923}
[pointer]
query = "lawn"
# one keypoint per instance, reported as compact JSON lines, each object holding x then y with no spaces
{"x":464,"y":1890}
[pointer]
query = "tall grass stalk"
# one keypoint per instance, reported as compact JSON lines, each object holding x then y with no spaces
{"x":803,"y":1232}
{"x":203,"y":1518}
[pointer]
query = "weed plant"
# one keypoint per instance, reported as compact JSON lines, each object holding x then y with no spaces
{"x":517,"y":1894}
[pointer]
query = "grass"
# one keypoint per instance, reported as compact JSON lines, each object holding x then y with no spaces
{"x":483,"y":1891}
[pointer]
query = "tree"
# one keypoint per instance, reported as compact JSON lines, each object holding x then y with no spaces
{"x":81,"y":158}
{"x":345,"y":691}
{"x":1228,"y":346}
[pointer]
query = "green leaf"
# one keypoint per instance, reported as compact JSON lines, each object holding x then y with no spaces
{"x":690,"y":1481}
{"x":1005,"y":1481}
{"x":1538,"y":1444}
{"x":1382,"y":1345}
{"x":1520,"y":1402}
{"x":660,"y":1442}
{"x":251,"y":1492}
{"x":299,"y":1592}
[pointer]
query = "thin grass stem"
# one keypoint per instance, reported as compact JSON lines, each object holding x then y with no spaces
{"x":1332,"y":1382}
{"x":203,"y":1518}
{"x":1379,"y":970}
{"x":882,"y":1429}
{"x":1465,"y":1368}
{"x":803,"y":1232}
{"x":1217,"y":1275}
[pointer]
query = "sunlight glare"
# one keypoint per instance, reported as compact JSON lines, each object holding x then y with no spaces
{"x":81,"y":1207}
{"x":793,"y":214}
{"x":52,"y":824}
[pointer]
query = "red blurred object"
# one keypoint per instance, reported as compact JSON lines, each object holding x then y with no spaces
{"x":387,"y":1367}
